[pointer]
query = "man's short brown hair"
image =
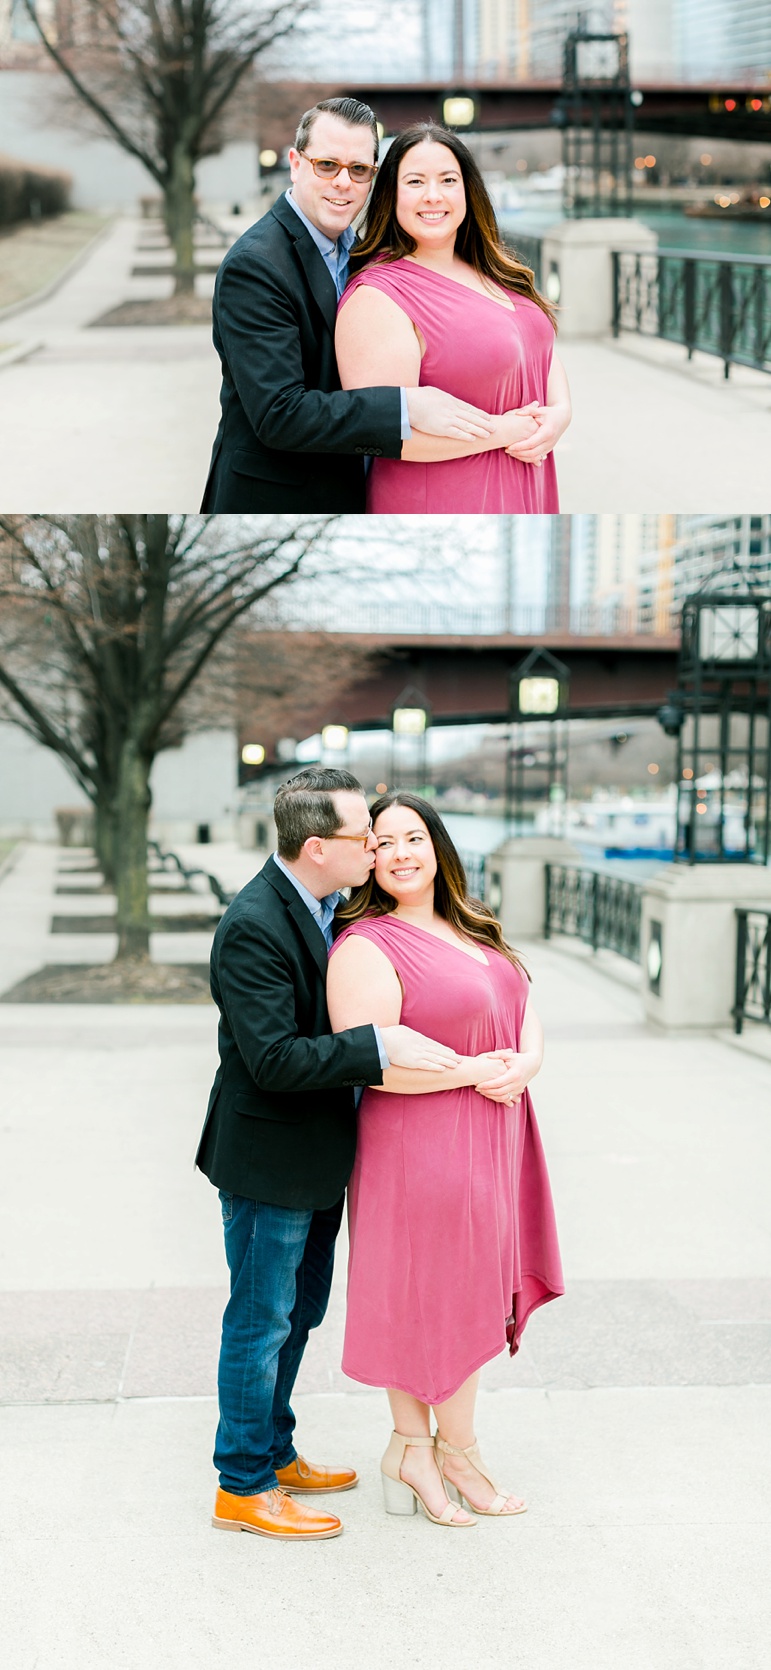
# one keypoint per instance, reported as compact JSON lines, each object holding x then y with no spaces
{"x":304,"y":807}
{"x":352,"y":111}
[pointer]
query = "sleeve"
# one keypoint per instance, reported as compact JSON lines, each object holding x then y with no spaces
{"x":384,"y":1061}
{"x":256,"y":985}
{"x":259,"y":335}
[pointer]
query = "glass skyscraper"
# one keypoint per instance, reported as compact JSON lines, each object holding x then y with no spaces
{"x":723,"y":38}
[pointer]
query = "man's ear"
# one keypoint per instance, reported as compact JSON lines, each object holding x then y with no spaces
{"x":314,"y":849}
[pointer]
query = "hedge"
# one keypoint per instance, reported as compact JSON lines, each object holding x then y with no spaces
{"x":28,"y":191}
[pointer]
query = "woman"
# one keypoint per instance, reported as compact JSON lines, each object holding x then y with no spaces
{"x":444,"y":302}
{"x":453,"y":1241}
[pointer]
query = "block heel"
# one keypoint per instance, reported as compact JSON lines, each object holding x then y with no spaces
{"x":398,"y":1496}
{"x":401,"y":1497}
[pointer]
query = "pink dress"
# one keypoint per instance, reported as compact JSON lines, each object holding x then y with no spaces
{"x":451,"y":1220}
{"x":482,"y":352}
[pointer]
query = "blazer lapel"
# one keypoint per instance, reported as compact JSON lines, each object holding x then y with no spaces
{"x":298,"y":910}
{"x":318,"y":279}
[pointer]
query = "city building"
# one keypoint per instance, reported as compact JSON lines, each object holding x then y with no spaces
{"x":648,"y":564}
{"x":543,"y":25}
{"x":19,"y":39}
{"x":703,"y":544}
{"x":729,"y":37}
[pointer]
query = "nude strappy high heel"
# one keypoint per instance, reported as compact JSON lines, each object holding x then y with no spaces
{"x":401,"y":1497}
{"x":498,"y":1505}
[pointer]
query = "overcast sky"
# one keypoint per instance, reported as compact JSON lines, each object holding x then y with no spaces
{"x":358,"y":39}
{"x":462,"y":561}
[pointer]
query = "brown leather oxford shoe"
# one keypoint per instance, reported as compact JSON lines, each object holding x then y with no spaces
{"x":273,"y":1514}
{"x":303,"y":1476}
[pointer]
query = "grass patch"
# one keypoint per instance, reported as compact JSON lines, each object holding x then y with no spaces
{"x":32,"y":255}
{"x":163,"y":310}
{"x":119,"y":982}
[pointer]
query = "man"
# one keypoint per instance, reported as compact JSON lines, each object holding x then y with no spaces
{"x":275,"y":301}
{"x":279,"y":1142}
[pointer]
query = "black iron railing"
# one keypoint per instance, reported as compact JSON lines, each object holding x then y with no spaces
{"x":474,"y":866}
{"x":527,"y":250}
{"x":603,"y":911}
{"x":172,"y":860}
{"x":717,"y":304}
{"x":753,"y":967}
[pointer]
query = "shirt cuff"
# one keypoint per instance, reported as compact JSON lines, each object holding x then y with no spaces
{"x":406,"y":427}
{"x":384,"y":1061}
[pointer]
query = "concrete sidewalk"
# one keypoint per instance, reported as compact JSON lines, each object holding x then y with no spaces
{"x":124,"y":418}
{"x":106,"y":417}
{"x":635,"y":1418}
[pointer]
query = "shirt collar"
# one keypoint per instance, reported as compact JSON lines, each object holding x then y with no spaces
{"x":327,"y":246}
{"x":317,"y":907}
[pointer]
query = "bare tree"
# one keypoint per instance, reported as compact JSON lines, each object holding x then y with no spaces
{"x":107,"y":623}
{"x":159,"y":75}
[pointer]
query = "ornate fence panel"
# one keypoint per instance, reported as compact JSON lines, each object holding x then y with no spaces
{"x":528,"y":250}
{"x":753,"y":967}
{"x":718,"y":305}
{"x":602,"y":910}
{"x":474,"y":866}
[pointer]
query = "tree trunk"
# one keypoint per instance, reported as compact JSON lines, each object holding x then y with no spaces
{"x":133,"y":807}
{"x":179,"y":211}
{"x":106,"y":834}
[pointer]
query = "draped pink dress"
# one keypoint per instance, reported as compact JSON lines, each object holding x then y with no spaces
{"x":483,"y":352}
{"x":452,"y":1232}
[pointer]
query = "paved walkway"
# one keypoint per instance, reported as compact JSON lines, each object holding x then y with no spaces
{"x":107,"y":418}
{"x":635,"y":1417}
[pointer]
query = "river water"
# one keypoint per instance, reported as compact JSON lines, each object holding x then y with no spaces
{"x":479,"y":833}
{"x":675,"y":229}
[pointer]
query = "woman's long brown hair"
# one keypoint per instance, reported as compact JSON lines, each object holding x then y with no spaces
{"x":478,"y":240}
{"x":452,"y":901}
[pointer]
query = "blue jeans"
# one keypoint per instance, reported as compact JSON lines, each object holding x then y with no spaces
{"x":281,"y":1264}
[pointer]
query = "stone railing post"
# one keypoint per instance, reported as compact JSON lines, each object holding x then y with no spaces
{"x":516,"y":884}
{"x":579,"y":252}
{"x":688,"y":940}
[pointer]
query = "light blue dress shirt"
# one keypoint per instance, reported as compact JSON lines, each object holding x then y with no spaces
{"x":323,"y":911}
{"x":336,"y":255}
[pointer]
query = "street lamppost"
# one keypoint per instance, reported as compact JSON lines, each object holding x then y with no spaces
{"x":334,"y":744}
{"x":539,"y":688}
{"x":410,"y":722}
{"x":250,"y":764}
{"x":721,"y":711}
{"x":596,"y":115}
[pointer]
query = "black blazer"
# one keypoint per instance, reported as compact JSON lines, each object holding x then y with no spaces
{"x":283,"y":411}
{"x":281,"y":1122}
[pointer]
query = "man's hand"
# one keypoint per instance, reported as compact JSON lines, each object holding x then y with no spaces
{"x":406,"y":1048}
{"x":435,"y":413}
{"x":510,"y":1085}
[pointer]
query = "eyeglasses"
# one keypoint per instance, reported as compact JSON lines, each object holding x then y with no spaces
{"x":365,"y":837}
{"x":327,"y":168}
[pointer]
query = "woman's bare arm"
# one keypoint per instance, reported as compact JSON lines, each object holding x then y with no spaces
{"x":363,"y":988}
{"x":377,"y":346}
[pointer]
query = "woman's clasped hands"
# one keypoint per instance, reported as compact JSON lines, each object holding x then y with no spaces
{"x":531,"y":432}
{"x":515,"y":1069}
{"x":545,"y":425}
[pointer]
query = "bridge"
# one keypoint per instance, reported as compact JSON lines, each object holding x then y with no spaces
{"x":716,"y":111}
{"x":464,"y":677}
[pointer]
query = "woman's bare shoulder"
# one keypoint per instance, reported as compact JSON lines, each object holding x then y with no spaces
{"x":367,"y":930}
